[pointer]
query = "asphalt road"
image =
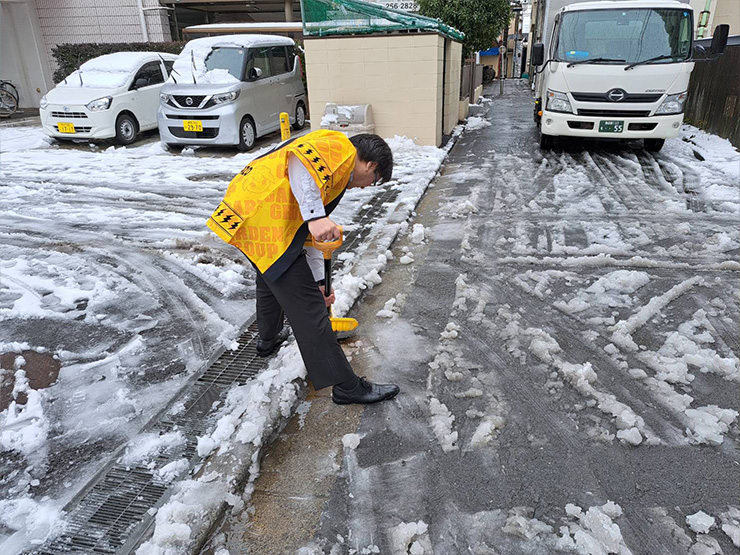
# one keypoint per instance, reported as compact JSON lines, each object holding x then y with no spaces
{"x":563,"y":307}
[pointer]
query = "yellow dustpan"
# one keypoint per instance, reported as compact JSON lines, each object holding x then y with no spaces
{"x":340,"y":326}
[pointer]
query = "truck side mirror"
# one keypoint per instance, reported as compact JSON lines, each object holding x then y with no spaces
{"x":719,"y":39}
{"x":538,"y":54}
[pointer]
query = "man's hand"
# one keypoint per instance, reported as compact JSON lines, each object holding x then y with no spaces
{"x":330,"y":299}
{"x":324,"y":229}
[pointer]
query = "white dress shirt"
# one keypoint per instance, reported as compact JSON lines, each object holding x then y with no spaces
{"x":308,"y":195}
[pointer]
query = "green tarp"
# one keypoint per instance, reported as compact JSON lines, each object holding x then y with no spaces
{"x":323,"y":18}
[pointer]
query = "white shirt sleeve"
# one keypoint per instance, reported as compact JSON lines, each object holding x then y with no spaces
{"x":316,"y":262}
{"x":305,"y":190}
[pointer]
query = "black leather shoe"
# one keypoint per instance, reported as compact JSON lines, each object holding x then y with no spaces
{"x":266,"y":348}
{"x":363,"y":392}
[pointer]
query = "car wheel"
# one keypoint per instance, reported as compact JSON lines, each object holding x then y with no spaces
{"x":546,"y":141}
{"x":654,"y":145}
{"x":126,"y":129}
{"x":300,"y":117}
{"x":247,"y":135}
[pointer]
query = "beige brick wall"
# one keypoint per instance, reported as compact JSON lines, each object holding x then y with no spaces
{"x":399,"y":75}
{"x":106,"y":21}
{"x":452,"y":90}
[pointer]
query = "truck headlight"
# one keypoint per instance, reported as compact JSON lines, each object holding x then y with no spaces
{"x":43,"y":103}
{"x":223,"y":98}
{"x":99,"y":104}
{"x":673,"y":104}
{"x":558,"y":102}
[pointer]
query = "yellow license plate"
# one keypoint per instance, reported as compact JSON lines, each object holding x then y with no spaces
{"x":66,"y":127}
{"x":192,"y":125}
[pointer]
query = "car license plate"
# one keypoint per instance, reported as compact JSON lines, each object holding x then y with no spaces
{"x":610,"y":126}
{"x":192,"y":125}
{"x":66,"y":127}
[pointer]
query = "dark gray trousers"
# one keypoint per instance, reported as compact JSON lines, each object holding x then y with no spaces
{"x":296,"y":294}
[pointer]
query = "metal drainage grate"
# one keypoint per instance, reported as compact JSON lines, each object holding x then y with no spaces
{"x":113,"y":515}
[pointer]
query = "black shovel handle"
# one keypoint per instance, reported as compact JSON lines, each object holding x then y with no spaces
{"x":327,"y":280}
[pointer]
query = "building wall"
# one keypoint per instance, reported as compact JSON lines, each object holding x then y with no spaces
{"x":720,"y":11}
{"x":23,"y":61}
{"x":106,"y":21}
{"x":453,"y":77}
{"x":399,"y":75}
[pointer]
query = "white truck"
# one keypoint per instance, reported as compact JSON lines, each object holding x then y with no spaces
{"x":615,"y":69}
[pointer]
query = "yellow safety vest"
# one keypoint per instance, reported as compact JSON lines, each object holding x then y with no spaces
{"x":259,"y":214}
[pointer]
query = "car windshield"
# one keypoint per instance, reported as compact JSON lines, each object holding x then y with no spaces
{"x":229,"y":58}
{"x":632,"y":35}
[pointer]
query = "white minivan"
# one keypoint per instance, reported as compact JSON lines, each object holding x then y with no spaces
{"x":111,"y":96}
{"x":229,"y":90}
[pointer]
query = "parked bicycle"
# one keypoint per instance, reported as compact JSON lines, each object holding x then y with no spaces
{"x":9,"y":98}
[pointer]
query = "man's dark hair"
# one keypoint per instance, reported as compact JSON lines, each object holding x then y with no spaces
{"x":372,"y":148}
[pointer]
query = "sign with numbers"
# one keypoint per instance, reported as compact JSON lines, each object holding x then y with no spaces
{"x":402,"y":5}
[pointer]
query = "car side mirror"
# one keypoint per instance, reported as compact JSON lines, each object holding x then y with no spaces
{"x":255,"y":73}
{"x":141,"y":82}
{"x":719,"y":39}
{"x":538,"y":54}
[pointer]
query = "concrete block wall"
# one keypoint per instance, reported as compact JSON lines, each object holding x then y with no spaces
{"x":105,"y":21}
{"x":453,"y":75}
{"x":399,"y":75}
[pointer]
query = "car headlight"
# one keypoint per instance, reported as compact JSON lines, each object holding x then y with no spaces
{"x":164,"y":98}
{"x":223,"y":98}
{"x":558,"y":102}
{"x":100,"y":104}
{"x":43,"y":103}
{"x":673,"y":104}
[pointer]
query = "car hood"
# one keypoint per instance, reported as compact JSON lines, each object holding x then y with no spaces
{"x":77,"y":96}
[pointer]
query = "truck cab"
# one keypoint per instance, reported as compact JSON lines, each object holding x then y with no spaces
{"x":615,"y":70}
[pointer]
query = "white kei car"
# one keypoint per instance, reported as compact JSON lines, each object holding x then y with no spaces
{"x":112,"y":96}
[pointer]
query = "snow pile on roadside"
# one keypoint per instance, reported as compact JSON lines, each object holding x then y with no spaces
{"x":476,"y":122}
{"x":246,"y":419}
{"x":15,"y":139}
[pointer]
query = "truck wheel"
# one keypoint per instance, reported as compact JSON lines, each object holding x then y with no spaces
{"x":653,"y":145}
{"x":546,"y":141}
{"x":247,"y":134}
{"x":300,"y":117}
{"x":126,"y":129}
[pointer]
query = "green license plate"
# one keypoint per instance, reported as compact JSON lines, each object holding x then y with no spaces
{"x":610,"y":126}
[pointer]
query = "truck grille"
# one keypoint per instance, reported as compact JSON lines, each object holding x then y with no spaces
{"x":615,"y":113}
{"x":629,"y":97}
{"x":207,"y":133}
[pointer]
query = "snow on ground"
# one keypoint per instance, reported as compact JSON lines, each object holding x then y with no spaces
{"x":108,"y":265}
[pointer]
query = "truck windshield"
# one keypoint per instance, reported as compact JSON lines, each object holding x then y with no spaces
{"x":229,"y":58}
{"x":632,"y":35}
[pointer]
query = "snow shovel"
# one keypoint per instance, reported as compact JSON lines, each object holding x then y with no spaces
{"x":342,"y":327}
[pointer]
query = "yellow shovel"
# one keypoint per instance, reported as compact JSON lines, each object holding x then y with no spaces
{"x":340,"y":326}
